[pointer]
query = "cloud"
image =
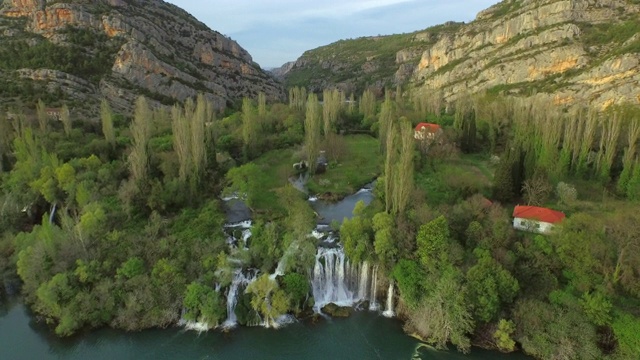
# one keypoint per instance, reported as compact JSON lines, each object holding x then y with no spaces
{"x":278,"y":31}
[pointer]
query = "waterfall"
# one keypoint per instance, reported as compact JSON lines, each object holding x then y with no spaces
{"x":388,"y":312}
{"x":373,"y":305}
{"x":239,"y":281}
{"x":330,"y":283}
{"x":364,"y":281}
{"x":53,"y":213}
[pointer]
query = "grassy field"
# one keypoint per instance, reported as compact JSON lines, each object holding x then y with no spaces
{"x":359,"y":166}
{"x":456,"y":179}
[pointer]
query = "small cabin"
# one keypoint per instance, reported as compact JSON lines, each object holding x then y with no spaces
{"x":54,"y":113}
{"x":427,"y":131}
{"x":536,"y":219}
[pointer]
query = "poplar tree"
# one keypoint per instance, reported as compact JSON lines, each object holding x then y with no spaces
{"x":262,"y":105}
{"x":198,"y":137}
{"x":140,"y":131}
{"x":66,"y":119}
{"x":389,"y":164}
{"x":41,"y":114}
{"x":633,"y":135}
{"x":587,"y":139}
{"x":352,"y":104}
{"x":181,"y":141}
{"x":387,"y":115}
{"x":106,"y":118}
{"x":6,"y":136}
{"x":404,"y":183}
{"x":610,"y":135}
{"x":368,"y":106}
{"x":312,"y":128}
{"x":250,"y":129}
{"x":633,"y":186}
{"x":332,"y":102}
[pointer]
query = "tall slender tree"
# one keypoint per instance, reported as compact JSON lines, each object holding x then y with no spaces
{"x":140,"y":131}
{"x":633,"y":135}
{"x":391,"y":156}
{"x":312,"y":128}
{"x":106,"y":118}
{"x":403,"y":186}
{"x":387,"y":116}
{"x":43,"y":118}
{"x":368,"y":106}
{"x":250,"y":129}
{"x":65,"y":117}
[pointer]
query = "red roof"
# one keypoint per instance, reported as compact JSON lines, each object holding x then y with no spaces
{"x":538,"y":213}
{"x":432,"y":128}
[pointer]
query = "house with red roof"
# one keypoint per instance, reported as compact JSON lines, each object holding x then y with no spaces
{"x":536,"y":219}
{"x":427,"y":131}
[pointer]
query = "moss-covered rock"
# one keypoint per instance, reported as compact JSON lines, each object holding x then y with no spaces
{"x":337,"y":311}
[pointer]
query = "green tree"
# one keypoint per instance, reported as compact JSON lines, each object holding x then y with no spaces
{"x":433,"y":242}
{"x":203,"y":304}
{"x":384,"y":244}
{"x":490,"y":286}
{"x":297,"y":288}
{"x":355,"y":235}
{"x":503,"y":334}
{"x":626,"y":328}
{"x":409,"y":277}
{"x":443,"y":316}
{"x":268,"y":299}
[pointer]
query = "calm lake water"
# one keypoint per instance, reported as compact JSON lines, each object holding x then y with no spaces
{"x":363,"y":336}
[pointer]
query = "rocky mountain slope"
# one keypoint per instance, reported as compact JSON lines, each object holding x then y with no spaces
{"x":569,"y":50}
{"x":84,"y":50}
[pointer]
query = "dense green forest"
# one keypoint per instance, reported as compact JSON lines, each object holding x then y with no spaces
{"x":118,"y":222}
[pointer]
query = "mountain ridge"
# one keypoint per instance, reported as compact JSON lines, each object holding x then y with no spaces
{"x":571,"y":51}
{"x":159,"y":50}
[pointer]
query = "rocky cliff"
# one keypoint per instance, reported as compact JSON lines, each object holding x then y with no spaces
{"x":84,"y":50}
{"x":569,"y":50}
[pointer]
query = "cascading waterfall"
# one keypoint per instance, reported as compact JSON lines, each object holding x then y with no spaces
{"x":337,"y":281}
{"x":388,"y":312}
{"x":240,"y":281}
{"x":373,"y":304}
{"x":329,"y":284}
{"x":364,"y":281}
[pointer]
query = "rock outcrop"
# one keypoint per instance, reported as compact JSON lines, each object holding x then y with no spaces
{"x":572,"y":51}
{"x":156,"y":49}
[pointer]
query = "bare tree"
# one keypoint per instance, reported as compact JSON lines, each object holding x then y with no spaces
{"x":536,"y":190}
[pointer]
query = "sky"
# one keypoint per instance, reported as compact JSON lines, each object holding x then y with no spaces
{"x":277,"y":31}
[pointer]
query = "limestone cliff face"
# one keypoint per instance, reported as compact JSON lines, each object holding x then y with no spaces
{"x":553,"y":47}
{"x":163,"y":51}
{"x":569,"y":50}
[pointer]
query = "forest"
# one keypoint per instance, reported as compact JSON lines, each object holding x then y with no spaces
{"x":118,"y":221}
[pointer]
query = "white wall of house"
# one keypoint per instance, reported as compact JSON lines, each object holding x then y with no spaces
{"x":539,"y":227}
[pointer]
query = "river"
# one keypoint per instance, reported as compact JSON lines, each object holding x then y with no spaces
{"x":362,"y":336}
